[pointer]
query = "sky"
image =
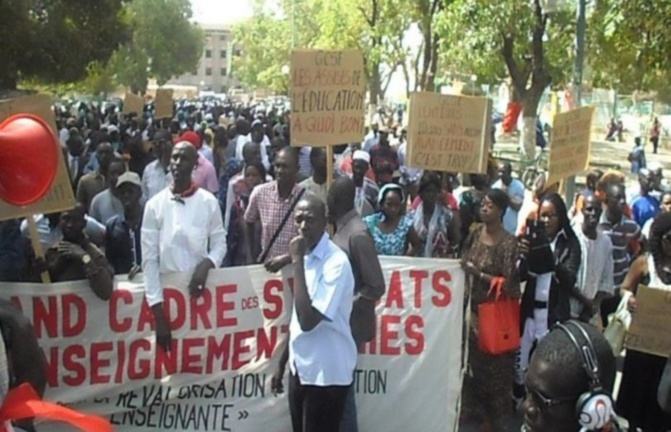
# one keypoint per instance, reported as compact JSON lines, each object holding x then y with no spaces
{"x":221,"y":11}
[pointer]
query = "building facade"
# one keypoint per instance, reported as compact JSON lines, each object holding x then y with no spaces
{"x":214,"y":72}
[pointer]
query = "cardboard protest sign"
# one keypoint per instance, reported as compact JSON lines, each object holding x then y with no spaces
{"x":133,"y":104}
{"x":102,"y":357}
{"x":650,"y":330}
{"x":570,"y":144}
{"x":163,"y":107}
{"x":448,"y":132}
{"x":328,"y":97}
{"x":60,"y":196}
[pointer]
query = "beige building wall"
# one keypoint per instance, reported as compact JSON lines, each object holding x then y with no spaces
{"x":212,"y":72}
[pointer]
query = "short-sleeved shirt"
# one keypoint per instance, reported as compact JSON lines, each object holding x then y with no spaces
{"x":393,"y":243}
{"x":623,"y":235}
{"x":265,"y":204}
{"x":516,"y":194}
{"x":325,"y":355}
{"x":644,"y":208}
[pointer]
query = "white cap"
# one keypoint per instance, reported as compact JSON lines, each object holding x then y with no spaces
{"x":361,"y":155}
{"x":129,"y":177}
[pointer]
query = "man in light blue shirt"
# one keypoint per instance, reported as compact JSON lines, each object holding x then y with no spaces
{"x":515,"y":190}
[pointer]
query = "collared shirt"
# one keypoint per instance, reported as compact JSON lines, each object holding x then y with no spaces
{"x":105,"y":206}
{"x":176,"y":235}
{"x":352,"y":236}
{"x":89,"y":186}
{"x":408,"y":175}
{"x":240,"y":142}
{"x":317,"y":189}
{"x":515,"y":192}
{"x":205,"y":176}
{"x":266,"y":205}
{"x":644,"y":208}
{"x":596,"y":267}
{"x":123,"y":247}
{"x":325,"y":355}
{"x":623,"y":235}
{"x":154,"y":179}
{"x":384,"y":161}
{"x":49,"y":235}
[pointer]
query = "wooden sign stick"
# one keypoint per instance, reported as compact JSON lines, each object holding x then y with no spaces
{"x":37,"y":245}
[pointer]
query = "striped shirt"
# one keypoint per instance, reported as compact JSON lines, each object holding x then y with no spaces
{"x":625,"y":236}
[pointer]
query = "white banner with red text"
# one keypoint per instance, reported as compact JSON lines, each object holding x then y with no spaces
{"x":102,"y":356}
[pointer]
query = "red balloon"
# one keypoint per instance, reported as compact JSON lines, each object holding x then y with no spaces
{"x":28,"y":159}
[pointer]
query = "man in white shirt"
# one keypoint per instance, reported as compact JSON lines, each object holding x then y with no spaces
{"x":515,"y":191}
{"x":595,"y":276}
{"x":178,"y":225}
{"x":107,"y":204}
{"x":257,"y":135}
{"x":322,"y":351}
{"x":155,"y":177}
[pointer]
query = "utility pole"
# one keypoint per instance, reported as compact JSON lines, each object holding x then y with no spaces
{"x":577,"y":80}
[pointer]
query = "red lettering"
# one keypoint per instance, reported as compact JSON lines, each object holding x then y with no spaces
{"x":98,"y":363}
{"x":121,"y":361}
{"x":265,"y":345}
{"x":418,"y":276}
{"x":124,"y":325}
{"x":71,"y":364}
{"x":140,"y":369}
{"x":413,"y":326}
{"x":46,"y":317}
{"x":395,"y":293}
{"x":240,"y":348}
{"x":439,"y":282}
{"x":166,"y":361}
{"x":215,"y":351}
{"x":146,"y":318}
{"x":200,"y":308}
{"x":175,"y":298}
{"x":225,"y":306}
{"x":70,"y":302}
{"x":387,"y":335}
{"x":272,"y":296}
{"x":191,"y":362}
{"x":52,"y":367}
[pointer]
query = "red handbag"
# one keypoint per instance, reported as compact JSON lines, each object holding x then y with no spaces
{"x":499,"y":321}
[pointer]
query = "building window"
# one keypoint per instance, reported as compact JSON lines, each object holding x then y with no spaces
{"x":208,"y":71}
{"x":222,"y":72}
{"x":208,"y":53}
{"x":222,"y":38}
{"x":224,"y":89}
{"x":238,"y":52}
{"x":222,"y":54}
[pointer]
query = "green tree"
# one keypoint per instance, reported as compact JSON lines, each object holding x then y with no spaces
{"x":164,"y":43}
{"x":514,"y":40}
{"x":53,"y":41}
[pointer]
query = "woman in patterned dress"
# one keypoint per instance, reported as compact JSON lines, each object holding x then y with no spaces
{"x":489,"y":252}
{"x":637,"y":398}
{"x":436,"y":225}
{"x":391,"y":228}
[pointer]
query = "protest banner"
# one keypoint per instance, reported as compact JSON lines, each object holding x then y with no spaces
{"x":101,"y":355}
{"x":570,"y":144}
{"x":448,"y":132}
{"x":60,"y":196}
{"x":133,"y":104}
{"x":328,"y":97}
{"x":163,"y":105}
{"x":650,"y":330}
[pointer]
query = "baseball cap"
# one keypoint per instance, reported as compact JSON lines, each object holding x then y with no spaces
{"x":129,"y":177}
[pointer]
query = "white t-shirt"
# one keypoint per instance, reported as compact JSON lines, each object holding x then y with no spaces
{"x":516,"y":195}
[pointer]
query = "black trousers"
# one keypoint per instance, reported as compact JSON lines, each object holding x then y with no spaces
{"x":316,"y":409}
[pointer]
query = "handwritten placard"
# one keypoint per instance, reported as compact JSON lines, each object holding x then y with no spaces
{"x":328,"y":97}
{"x":133,"y":104}
{"x":61,"y":196}
{"x":163,"y":105}
{"x":448,"y":132}
{"x":570,"y":144}
{"x":650,"y":329}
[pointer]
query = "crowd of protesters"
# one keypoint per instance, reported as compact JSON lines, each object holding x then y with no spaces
{"x":219,"y":185}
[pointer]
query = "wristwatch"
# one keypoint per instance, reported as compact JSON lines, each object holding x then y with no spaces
{"x":86,"y":259}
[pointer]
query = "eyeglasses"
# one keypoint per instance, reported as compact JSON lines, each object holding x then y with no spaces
{"x":544,"y":402}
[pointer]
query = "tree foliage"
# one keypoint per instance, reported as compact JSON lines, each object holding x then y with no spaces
{"x":164,"y":43}
{"x":53,"y":41}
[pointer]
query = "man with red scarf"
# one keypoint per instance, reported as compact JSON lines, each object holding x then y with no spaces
{"x":182,"y":231}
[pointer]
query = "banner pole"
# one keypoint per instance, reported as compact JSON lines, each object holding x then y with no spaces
{"x":37,"y":245}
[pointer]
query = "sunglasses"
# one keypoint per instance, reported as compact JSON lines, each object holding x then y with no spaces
{"x":544,"y":402}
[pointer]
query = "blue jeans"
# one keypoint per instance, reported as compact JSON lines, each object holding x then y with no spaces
{"x":349,"y":420}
